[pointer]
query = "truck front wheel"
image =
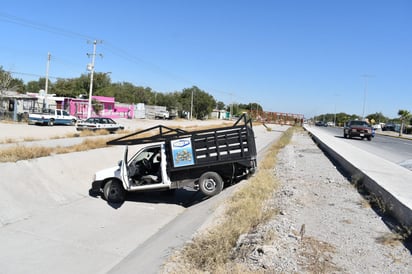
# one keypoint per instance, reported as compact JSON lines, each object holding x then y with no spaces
{"x":114,"y":192}
{"x":210,"y":183}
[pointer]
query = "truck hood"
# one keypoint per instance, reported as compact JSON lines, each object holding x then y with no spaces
{"x":111,"y":172}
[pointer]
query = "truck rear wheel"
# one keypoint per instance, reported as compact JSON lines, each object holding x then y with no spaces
{"x":51,"y":122}
{"x":210,"y":183}
{"x":114,"y":192}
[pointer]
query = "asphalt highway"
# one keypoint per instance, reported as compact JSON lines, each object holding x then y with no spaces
{"x":389,"y":147}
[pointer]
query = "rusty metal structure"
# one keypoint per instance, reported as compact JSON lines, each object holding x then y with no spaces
{"x":280,"y":118}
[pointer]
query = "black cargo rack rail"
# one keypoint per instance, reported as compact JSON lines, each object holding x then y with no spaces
{"x":166,"y":133}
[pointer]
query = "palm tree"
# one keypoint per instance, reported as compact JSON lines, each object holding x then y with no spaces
{"x":404,"y":115}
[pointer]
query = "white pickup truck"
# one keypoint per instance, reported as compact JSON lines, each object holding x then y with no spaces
{"x":162,"y":114}
{"x":206,"y":160}
{"x":52,"y":117}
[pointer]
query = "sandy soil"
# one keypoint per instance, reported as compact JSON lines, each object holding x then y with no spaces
{"x":324,"y":225}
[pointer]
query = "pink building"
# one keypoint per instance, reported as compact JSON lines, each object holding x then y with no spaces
{"x":109,"y":108}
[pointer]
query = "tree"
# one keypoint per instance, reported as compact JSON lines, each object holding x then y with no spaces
{"x":33,"y":86}
{"x":17,"y":84}
{"x":189,"y":99}
{"x":378,"y":117}
{"x":69,"y":88}
{"x":5,"y":80}
{"x":220,"y":105}
{"x":203,"y":103}
{"x":403,"y":116}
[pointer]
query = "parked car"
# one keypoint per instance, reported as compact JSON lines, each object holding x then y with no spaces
{"x":358,"y":128}
{"x":96,"y":123}
{"x":389,"y":127}
{"x":52,"y":117}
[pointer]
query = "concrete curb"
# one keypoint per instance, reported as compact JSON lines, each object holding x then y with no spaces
{"x":391,"y":203}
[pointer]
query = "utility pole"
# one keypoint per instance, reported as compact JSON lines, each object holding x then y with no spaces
{"x":191,"y":107}
{"x":90,"y":67}
{"x":45,"y":106}
{"x":334,"y":117}
{"x":231,"y":105}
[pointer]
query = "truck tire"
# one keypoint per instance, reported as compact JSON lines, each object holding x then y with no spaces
{"x":114,"y":192}
{"x":51,"y":122}
{"x":210,"y":183}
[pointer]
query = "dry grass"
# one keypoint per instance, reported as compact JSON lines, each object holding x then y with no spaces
{"x":316,"y":256}
{"x":390,"y":239}
{"x":245,"y":210}
{"x":18,"y":152}
{"x":7,"y":141}
{"x":30,"y":139}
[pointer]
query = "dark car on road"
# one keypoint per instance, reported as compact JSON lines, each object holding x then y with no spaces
{"x":321,"y":124}
{"x":389,"y":127}
{"x":96,"y":123}
{"x":358,"y":128}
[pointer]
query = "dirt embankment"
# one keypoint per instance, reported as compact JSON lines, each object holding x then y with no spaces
{"x":324,"y":225}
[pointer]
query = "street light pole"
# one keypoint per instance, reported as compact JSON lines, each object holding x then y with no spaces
{"x":366,"y":76}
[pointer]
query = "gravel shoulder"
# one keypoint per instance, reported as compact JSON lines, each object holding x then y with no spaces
{"x":324,"y":225}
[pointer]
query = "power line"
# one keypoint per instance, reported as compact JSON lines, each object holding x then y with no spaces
{"x":34,"y":75}
{"x":40,"y":26}
{"x":110,"y":47}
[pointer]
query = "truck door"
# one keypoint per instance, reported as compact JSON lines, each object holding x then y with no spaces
{"x":124,"y":171}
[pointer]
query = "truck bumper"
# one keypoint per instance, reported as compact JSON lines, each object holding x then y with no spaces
{"x":96,"y":188}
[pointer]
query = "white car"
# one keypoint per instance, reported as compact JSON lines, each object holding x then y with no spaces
{"x":96,"y":123}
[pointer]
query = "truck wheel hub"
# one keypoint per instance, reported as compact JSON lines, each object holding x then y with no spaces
{"x":210,"y":184}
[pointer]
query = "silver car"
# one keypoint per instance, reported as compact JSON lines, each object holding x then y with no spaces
{"x":96,"y":123}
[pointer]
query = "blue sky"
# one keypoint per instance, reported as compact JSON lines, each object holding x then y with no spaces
{"x":305,"y":57}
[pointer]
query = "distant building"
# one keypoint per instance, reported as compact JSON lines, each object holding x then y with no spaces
{"x":105,"y":106}
{"x":220,"y":114}
{"x":14,"y":105}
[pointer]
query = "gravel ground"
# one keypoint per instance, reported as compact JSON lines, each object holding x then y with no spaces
{"x":324,"y":225}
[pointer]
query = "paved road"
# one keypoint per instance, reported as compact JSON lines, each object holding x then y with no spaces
{"x":48,"y":222}
{"x":391,"y":148}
